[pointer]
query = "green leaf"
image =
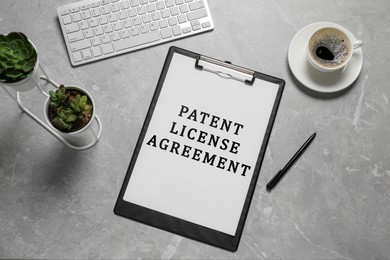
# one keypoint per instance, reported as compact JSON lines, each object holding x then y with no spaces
{"x":60,"y":112}
{"x":13,"y":74}
{"x":71,"y":118}
{"x":53,"y":105}
{"x":52,"y":93}
{"x":74,"y":106}
{"x":68,"y":111}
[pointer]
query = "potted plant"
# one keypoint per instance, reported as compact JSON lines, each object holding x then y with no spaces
{"x":18,"y":62}
{"x":69,"y":110}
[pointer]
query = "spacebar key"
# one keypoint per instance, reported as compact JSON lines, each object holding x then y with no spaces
{"x":136,"y":40}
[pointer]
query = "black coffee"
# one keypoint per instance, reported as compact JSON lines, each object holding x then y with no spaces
{"x":324,"y":53}
{"x":329,"y":47}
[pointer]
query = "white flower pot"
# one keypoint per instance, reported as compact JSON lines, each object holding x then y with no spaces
{"x":28,"y":83}
{"x":79,"y":137}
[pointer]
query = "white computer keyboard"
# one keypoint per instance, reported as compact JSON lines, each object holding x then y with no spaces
{"x":95,"y":30}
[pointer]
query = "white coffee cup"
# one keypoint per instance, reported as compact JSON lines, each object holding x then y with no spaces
{"x":330,"y":49}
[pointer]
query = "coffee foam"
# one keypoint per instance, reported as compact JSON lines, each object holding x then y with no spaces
{"x":335,"y":41}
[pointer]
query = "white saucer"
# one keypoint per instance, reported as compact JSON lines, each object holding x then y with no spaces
{"x":316,"y":80}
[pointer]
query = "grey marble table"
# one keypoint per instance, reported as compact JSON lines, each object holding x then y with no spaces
{"x":334,"y":203}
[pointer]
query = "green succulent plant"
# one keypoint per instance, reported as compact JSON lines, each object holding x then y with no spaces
{"x":17,"y":57}
{"x":69,"y":110}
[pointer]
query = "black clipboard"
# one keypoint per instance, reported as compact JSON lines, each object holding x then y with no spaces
{"x":225,"y":71}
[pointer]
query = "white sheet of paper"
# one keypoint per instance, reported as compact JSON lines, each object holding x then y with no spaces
{"x":186,"y":188}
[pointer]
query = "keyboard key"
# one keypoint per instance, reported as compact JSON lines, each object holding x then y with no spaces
{"x":163,"y":23}
{"x":134,"y":3}
{"x":108,"y":28}
{"x":115,"y":7}
{"x":103,"y":20}
{"x":87,"y":54}
{"x":125,"y":34}
{"x":134,"y":31}
{"x":96,"y":12}
{"x":172,"y":21}
{"x":64,"y":11}
{"x":66,"y":19}
{"x":166,"y":33}
{"x":74,"y":9}
{"x":138,"y":40}
{"x":146,"y":18}
{"x":106,"y":9}
{"x":112,"y":18}
{"x":169,"y":3}
{"x":83,"y":25}
{"x":115,"y":36}
{"x":86,"y":14}
{"x":96,"y":51}
{"x":132,"y":12}
{"x":182,"y":18}
{"x":156,"y":16}
{"x":184,"y":9}
{"x":160,"y":5}
{"x":76,"y":17}
{"x":79,"y":45}
{"x":196,"y":5}
{"x":73,"y":27}
{"x":107,"y":48}
{"x":206,"y":25}
{"x":197,"y":14}
{"x":151,"y":8}
{"x":117,"y":26}
{"x":153,"y":26}
{"x":85,"y":7}
{"x":195,"y":25}
{"x":144,"y":28}
{"x":75,"y":36}
{"x":186,"y":29}
{"x":88,"y":33}
{"x":93,"y":22}
{"x":77,"y":56}
{"x":174,"y":11}
{"x":137,"y":21}
{"x":122,"y":15}
{"x":96,"y":41}
{"x":98,"y":31}
{"x":165,"y":13}
{"x":176,"y":30}
{"x":125,"y":5}
{"x":141,"y":10}
{"x":127,"y":23}
{"x":106,"y":38}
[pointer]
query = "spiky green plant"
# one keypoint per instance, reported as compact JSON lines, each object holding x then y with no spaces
{"x":68,"y":111}
{"x":17,"y":57}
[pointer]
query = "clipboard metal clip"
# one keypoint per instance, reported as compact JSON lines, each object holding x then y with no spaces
{"x":225,"y":69}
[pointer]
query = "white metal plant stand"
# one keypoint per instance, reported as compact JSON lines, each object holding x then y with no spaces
{"x":17,"y":99}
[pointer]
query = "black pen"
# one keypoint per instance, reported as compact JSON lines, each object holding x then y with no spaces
{"x":281,"y":173}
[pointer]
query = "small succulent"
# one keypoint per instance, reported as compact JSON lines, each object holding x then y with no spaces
{"x":17,"y":57}
{"x":68,"y":109}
